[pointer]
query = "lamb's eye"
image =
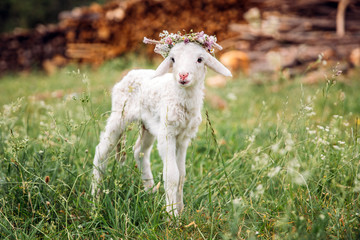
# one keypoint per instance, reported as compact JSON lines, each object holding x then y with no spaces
{"x":199,"y":60}
{"x":172,"y":59}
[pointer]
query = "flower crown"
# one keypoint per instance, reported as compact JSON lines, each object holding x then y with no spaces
{"x":168,"y":40}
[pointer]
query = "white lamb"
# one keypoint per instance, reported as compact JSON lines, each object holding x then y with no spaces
{"x":168,"y":106}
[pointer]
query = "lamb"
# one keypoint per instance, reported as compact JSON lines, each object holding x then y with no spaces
{"x":167,"y":105}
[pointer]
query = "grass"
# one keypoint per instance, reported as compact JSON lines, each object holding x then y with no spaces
{"x":281,"y":162}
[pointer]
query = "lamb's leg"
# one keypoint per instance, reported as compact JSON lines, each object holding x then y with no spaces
{"x":142,"y":150}
{"x":108,"y":139}
{"x":180,"y":160}
{"x":166,"y":147}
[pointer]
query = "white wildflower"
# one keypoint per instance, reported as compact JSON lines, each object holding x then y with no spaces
{"x":308,"y":108}
{"x":237,"y":201}
{"x":300,"y":178}
{"x":232,"y":96}
{"x":336,"y":147}
{"x":260,"y":189}
{"x":274,"y":171}
{"x":251,"y":138}
{"x":320,"y":127}
{"x":275,"y":147}
{"x":310,"y":114}
{"x":310,"y":132}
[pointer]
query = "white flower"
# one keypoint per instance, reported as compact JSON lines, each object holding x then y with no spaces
{"x":274,"y":171}
{"x":336,"y":147}
{"x":320,"y":127}
{"x":237,"y":201}
{"x":275,"y":147}
{"x":260,"y":189}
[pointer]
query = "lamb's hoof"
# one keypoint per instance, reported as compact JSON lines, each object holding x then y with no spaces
{"x":150,"y":188}
{"x":173,"y":218}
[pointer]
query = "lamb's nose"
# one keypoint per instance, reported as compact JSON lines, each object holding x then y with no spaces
{"x":183,"y":76}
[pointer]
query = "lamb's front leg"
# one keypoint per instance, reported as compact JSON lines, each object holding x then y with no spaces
{"x":181,"y":148}
{"x":167,"y":151}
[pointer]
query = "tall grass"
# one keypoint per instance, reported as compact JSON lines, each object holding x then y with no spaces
{"x":281,"y":162}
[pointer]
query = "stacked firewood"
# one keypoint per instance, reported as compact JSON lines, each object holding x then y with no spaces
{"x":295,"y":32}
{"x":96,"y":33}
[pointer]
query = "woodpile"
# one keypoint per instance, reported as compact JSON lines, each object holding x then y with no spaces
{"x":261,"y":35}
{"x":295,"y":34}
{"x":96,"y":33}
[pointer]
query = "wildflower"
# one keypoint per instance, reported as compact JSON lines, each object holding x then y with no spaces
{"x":274,"y":171}
{"x":275,"y":147}
{"x":357,"y":184}
{"x":307,"y":108}
{"x":200,"y":37}
{"x":311,"y":132}
{"x":336,"y":147}
{"x":237,"y":201}
{"x":320,"y":127}
{"x":232,"y":96}
{"x":259,"y":190}
{"x":251,"y":138}
{"x":338,"y":73}
{"x":168,"y":40}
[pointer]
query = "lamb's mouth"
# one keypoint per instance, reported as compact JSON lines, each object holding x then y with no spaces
{"x":183,"y":82}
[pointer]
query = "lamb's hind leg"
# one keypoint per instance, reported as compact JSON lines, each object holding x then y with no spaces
{"x":108,"y":139}
{"x":142,"y":150}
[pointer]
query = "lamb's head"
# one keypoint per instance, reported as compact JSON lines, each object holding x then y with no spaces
{"x":188,"y":55}
{"x":189,"y":61}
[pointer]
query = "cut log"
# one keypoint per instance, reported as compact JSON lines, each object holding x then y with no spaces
{"x":340,"y":17}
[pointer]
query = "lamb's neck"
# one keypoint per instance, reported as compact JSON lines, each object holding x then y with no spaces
{"x":193,"y":96}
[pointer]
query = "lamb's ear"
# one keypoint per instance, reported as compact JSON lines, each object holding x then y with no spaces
{"x":163,"y":67}
{"x":217,"y":66}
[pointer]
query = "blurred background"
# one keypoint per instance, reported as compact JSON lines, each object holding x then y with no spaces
{"x":257,"y":36}
{"x":276,"y":156}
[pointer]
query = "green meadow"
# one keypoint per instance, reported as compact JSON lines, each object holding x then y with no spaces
{"x":281,"y":161}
